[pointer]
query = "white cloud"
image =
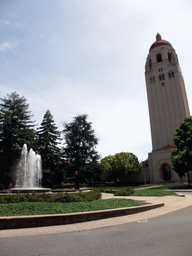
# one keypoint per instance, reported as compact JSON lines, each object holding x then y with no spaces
{"x":19,"y":25}
{"x":6,"y":22}
{"x":10,"y":45}
{"x":5,"y":46}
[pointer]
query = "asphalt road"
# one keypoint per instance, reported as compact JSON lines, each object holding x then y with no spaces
{"x":169,"y":234}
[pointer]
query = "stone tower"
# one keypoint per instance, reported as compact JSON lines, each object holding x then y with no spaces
{"x":168,"y":106}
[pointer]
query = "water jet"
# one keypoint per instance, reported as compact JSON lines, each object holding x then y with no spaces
{"x":29,"y":170}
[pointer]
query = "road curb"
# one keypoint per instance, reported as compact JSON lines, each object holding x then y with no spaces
{"x":63,"y":219}
{"x":180,"y":190}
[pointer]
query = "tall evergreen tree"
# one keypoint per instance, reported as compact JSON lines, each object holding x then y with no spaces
{"x":80,"y":144}
{"x":47,"y":142}
{"x":16,"y":128}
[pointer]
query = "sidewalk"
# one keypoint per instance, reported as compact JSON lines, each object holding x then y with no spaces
{"x":171,"y":203}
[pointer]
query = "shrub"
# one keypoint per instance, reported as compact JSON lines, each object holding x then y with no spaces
{"x":124,"y":192}
{"x":101,"y":189}
{"x":51,"y":198}
{"x":112,"y":191}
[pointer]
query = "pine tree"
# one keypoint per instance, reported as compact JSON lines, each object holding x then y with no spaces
{"x":80,"y":141}
{"x":47,"y":142}
{"x":16,"y":129}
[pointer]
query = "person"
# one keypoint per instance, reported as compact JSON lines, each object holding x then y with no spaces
{"x":10,"y":185}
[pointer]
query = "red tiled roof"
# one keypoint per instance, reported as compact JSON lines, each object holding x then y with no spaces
{"x":167,"y":147}
{"x":158,"y":43}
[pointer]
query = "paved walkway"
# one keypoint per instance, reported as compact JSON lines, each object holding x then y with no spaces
{"x":172,"y":203}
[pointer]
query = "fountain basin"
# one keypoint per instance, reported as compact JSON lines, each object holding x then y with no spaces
{"x":25,"y":190}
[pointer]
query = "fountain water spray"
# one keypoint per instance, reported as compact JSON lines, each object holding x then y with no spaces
{"x":29,"y":171}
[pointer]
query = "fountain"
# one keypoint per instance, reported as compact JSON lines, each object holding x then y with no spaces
{"x":28,"y":172}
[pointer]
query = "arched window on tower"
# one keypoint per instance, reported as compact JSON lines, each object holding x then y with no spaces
{"x":152,"y":79}
{"x":159,"y":57}
{"x":171,"y":74}
{"x":169,"y":56}
{"x":150,"y":64}
{"x":161,"y":77}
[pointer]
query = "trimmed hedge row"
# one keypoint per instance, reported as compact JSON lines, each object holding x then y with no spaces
{"x":94,"y":194}
{"x":124,"y":192}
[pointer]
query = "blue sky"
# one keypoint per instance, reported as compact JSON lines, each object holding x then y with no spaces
{"x":87,"y":57}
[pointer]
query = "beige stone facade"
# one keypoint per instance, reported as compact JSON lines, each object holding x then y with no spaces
{"x":168,"y":106}
{"x":158,"y":162}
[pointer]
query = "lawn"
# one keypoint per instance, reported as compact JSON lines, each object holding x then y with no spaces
{"x":156,"y":191}
{"x":39,"y":208}
{"x":148,"y":191}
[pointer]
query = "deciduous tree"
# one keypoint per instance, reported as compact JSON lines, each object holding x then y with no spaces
{"x":182,"y":156}
{"x":117,"y":167}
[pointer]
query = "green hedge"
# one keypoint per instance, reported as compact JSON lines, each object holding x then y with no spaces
{"x":124,"y":192}
{"x":52,"y":198}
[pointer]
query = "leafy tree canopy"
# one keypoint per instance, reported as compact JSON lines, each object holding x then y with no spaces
{"x":118,"y":166}
{"x":182,"y":156}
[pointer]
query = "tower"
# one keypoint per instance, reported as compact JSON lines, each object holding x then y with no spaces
{"x":168,"y":106}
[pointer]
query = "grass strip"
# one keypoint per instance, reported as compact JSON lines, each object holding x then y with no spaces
{"x":157,"y":191}
{"x":185,"y":186}
{"x":37,"y":208}
{"x":149,"y":191}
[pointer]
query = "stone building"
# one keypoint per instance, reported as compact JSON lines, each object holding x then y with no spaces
{"x":168,"y":106}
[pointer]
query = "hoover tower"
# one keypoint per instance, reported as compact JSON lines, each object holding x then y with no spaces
{"x":168,"y":106}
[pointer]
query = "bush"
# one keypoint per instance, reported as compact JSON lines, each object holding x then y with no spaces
{"x":124,"y":192}
{"x":112,"y":191}
{"x":94,"y":194}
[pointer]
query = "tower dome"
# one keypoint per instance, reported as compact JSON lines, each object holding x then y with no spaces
{"x":159,"y":42}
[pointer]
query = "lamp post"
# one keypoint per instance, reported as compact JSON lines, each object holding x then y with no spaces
{"x":76,"y":180}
